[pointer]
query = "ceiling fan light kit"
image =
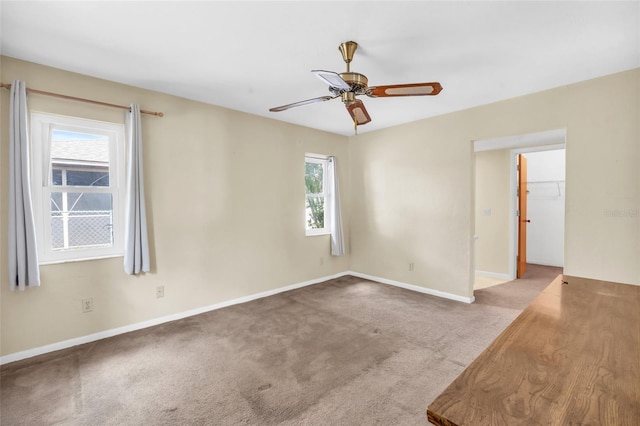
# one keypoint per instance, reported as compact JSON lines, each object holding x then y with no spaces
{"x":348,"y":85}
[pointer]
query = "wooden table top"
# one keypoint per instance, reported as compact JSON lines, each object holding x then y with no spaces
{"x":572,"y":357}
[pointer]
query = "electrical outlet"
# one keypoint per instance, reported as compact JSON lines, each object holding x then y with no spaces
{"x":411,"y":266}
{"x":322,"y":261}
{"x":87,"y":305}
{"x":160,"y":291}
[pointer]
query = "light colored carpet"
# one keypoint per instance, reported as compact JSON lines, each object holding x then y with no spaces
{"x":344,"y":352}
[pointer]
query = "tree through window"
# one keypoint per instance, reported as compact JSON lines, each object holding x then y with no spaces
{"x":315,"y":179}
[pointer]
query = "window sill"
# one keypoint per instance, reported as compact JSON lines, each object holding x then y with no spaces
{"x":54,"y":262}
{"x":316,"y":233}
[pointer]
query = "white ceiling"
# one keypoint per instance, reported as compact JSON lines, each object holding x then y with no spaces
{"x":250,"y":56}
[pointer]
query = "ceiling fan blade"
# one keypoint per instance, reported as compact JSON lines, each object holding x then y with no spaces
{"x":415,"y":89}
{"x":358,"y":113}
{"x":301,"y":103}
{"x":331,"y":78}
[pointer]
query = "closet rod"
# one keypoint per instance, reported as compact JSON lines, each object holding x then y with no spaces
{"x":89,"y":101}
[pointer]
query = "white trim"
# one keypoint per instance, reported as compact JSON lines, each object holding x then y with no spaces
{"x":513,"y":201}
{"x":543,"y":262}
{"x":530,"y":142}
{"x":42,"y":126}
{"x":324,"y":162}
{"x":17,"y":356}
{"x":80,"y":259}
{"x":493,"y":275}
{"x":549,"y":137}
{"x":316,"y":156}
{"x":316,"y":232}
{"x":413,"y":287}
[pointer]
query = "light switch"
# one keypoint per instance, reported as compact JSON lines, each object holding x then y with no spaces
{"x":486,"y":212}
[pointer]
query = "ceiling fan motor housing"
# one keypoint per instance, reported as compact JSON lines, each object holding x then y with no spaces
{"x":358,"y":84}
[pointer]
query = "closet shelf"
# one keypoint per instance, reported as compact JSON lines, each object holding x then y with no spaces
{"x":556,"y":182}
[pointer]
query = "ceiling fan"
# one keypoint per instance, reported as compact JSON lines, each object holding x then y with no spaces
{"x":348,"y":85}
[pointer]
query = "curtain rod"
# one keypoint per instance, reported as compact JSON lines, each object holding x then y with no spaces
{"x":73,"y":98}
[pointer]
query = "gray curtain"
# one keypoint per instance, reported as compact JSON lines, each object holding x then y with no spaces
{"x":337,"y":237}
{"x":136,"y":241}
{"x":23,"y":268}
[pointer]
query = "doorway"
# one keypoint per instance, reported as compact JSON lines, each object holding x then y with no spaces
{"x":545,"y":207}
{"x":540,"y":207}
{"x":496,"y":204}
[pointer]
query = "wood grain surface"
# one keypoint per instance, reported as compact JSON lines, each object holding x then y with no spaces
{"x":572,"y":357}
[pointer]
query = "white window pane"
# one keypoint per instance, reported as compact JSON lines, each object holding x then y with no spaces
{"x":77,"y":169}
{"x":81,"y":220}
{"x":79,"y":159}
{"x":315,"y":212}
{"x":314,"y":178}
{"x":91,"y":177}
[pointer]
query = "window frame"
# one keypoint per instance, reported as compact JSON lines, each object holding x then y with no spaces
{"x":42,"y":128}
{"x":324,"y":161}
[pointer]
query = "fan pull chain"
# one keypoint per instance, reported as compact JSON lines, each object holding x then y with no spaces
{"x":355,"y":125}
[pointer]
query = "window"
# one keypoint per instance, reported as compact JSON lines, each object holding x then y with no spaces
{"x":77,"y":172}
{"x":316,"y":199}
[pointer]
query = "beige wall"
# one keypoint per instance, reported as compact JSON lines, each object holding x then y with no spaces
{"x":207,"y":169}
{"x":409,"y":199}
{"x":412,"y":197}
{"x":412,"y":185}
{"x":492,"y":192}
{"x":603,"y":179}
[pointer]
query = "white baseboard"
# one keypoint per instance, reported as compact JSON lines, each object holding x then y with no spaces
{"x":497,"y":275}
{"x":17,"y":356}
{"x":413,"y":287}
{"x":544,"y":263}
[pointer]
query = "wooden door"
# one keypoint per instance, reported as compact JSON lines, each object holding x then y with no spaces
{"x":522,"y":216}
